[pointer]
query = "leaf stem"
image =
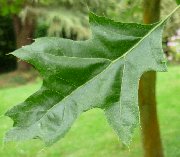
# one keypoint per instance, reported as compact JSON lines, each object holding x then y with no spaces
{"x":168,"y":16}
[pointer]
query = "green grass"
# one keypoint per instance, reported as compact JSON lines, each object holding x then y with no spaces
{"x":91,"y":136}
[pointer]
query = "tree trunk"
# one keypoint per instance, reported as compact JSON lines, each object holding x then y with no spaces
{"x":147,"y":95}
{"x":24,"y":31}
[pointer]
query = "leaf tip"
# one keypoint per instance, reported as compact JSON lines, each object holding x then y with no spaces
{"x":92,"y":16}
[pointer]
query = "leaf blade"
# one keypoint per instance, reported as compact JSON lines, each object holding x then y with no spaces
{"x":115,"y":79}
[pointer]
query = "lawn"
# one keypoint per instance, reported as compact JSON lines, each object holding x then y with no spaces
{"x":91,"y":136}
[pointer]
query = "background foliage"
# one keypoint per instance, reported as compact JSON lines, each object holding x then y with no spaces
{"x":7,"y":44}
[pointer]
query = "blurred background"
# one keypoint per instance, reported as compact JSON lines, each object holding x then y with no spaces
{"x":21,"y":21}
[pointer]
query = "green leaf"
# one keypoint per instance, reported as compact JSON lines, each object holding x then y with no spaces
{"x":178,"y":2}
{"x":102,"y":72}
